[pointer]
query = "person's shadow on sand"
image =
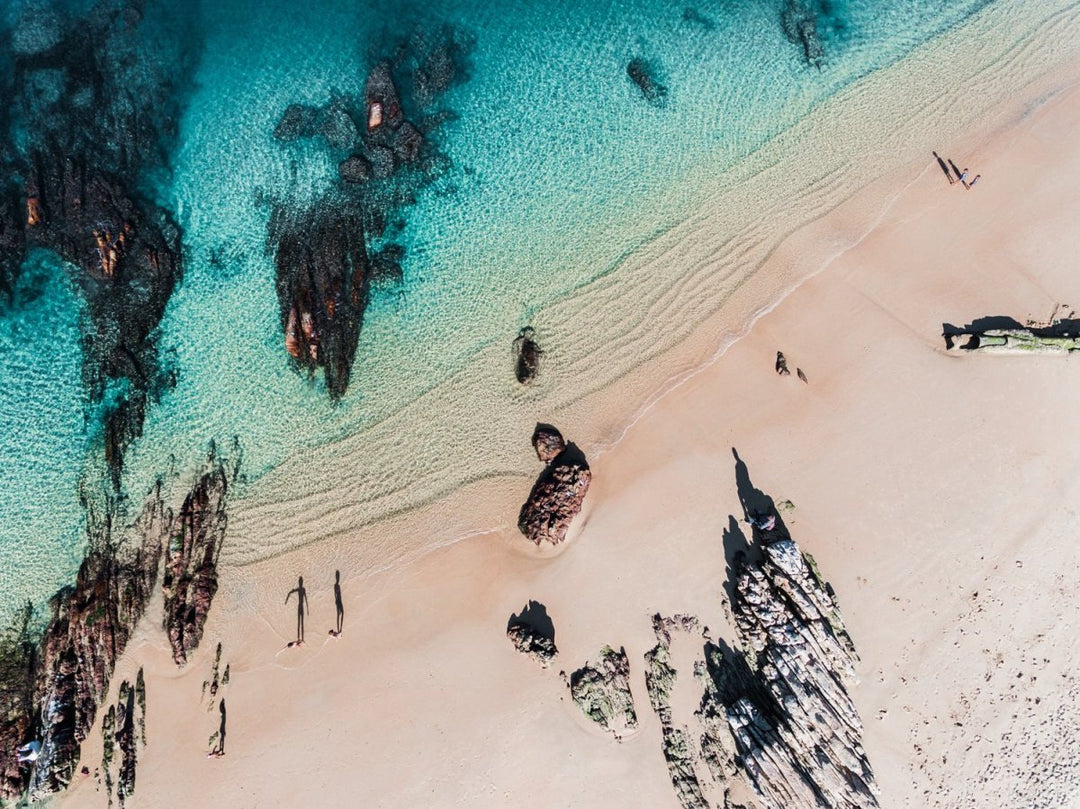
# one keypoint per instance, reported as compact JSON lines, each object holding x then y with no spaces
{"x":338,"y":605}
{"x":301,"y":603}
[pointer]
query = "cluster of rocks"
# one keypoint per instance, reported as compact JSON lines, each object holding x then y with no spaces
{"x":328,"y":252}
{"x":92,"y":104}
{"x":124,"y":731}
{"x":797,"y":733}
{"x":645,"y":75}
{"x":801,"y":23}
{"x":775,"y":718}
{"x":62,"y":680}
{"x":602,"y":691}
{"x":559,"y":491}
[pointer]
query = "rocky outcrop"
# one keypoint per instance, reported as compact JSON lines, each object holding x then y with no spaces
{"x":190,"y":579}
{"x":644,"y":74}
{"x":796,"y":732}
{"x":94,"y":103}
{"x":53,"y":689}
{"x":602,"y":691}
{"x":677,"y":742}
{"x":533,"y":633}
{"x":1054,"y":337}
{"x":323,"y":278}
{"x":328,"y":251}
{"x":558,"y":493}
{"x":91,"y":625}
{"x":527,"y":355}
{"x":800,"y":21}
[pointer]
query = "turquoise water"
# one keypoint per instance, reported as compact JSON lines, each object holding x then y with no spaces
{"x":557,"y":166}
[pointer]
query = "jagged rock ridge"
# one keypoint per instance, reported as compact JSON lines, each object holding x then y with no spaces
{"x":797,"y":733}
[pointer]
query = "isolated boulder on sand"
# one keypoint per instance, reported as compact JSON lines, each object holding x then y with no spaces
{"x":558,"y":493}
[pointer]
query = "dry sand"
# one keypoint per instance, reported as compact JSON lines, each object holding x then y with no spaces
{"x":939,"y":494}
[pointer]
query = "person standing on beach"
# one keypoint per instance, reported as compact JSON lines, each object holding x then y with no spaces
{"x":963,"y":176}
{"x":975,"y":180}
{"x":301,"y":602}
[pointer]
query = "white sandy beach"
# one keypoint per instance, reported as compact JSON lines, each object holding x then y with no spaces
{"x":939,"y":494}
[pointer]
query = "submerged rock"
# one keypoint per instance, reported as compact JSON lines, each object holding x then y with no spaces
{"x":602,"y":691}
{"x":324,"y":252}
{"x":800,"y":21}
{"x":644,"y":75}
{"x":558,"y":493}
{"x":527,"y":356}
{"x":333,"y":122}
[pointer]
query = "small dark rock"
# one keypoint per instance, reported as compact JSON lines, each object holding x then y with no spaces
{"x":527,"y":359}
{"x":781,"y":364}
{"x":548,"y":442}
{"x":643,"y":74}
{"x":533,"y":633}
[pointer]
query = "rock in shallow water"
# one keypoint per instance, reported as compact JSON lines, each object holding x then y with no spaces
{"x":526,"y":356}
{"x":559,"y":492}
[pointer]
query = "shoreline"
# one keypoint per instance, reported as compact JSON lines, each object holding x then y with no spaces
{"x":483,"y":400}
{"x":444,"y":710}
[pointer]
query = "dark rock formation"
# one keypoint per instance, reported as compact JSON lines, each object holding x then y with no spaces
{"x":91,"y":625}
{"x":526,"y":356}
{"x":797,"y":734}
{"x":548,"y":443}
{"x":323,"y":276}
{"x":800,"y":21}
{"x":1004,"y":335}
{"x":695,"y":17}
{"x":94,"y":104}
{"x":355,"y":169}
{"x":332,"y":122}
{"x":679,"y":752}
{"x":602,"y":691}
{"x":190,"y":580}
{"x":558,"y":493}
{"x":328,"y":251}
{"x":57,"y":685}
{"x":18,"y":670}
{"x":645,"y":75}
{"x":533,"y":633}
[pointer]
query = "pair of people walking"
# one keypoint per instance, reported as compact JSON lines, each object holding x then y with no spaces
{"x":302,"y":605}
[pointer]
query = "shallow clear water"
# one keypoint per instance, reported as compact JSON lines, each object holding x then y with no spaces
{"x":559,"y":168}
